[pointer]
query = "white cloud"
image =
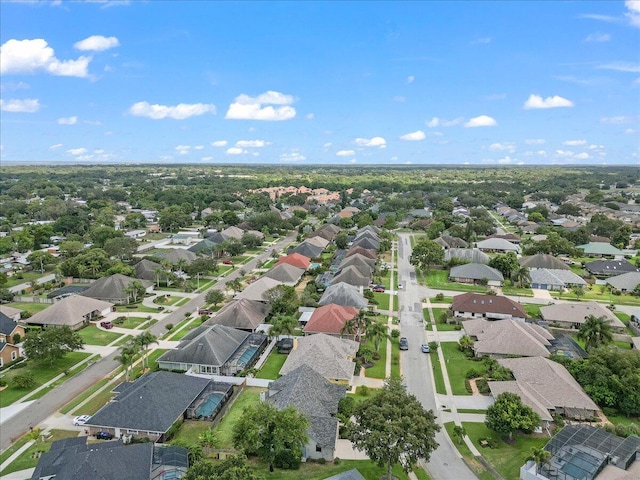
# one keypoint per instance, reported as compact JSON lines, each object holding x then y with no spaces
{"x":480,"y":41}
{"x":245,"y":107}
{"x":441,"y":122}
{"x":633,"y":12}
{"x":597,"y":37}
{"x":574,"y":143}
{"x":535,"y":141}
{"x":8,"y":86}
{"x":507,"y":160}
{"x":68,"y":120}
{"x":536,"y":102}
{"x":92,"y":122}
{"x":481,"y":121}
{"x":327,"y":145}
{"x":31,"y":56}
{"x":96,"y":43}
{"x":410,"y":79}
{"x":310,"y":116}
{"x":621,"y":67}
{"x":55,"y":147}
{"x":183,"y":149}
{"x":630,"y":131}
{"x":345,"y":153}
{"x":582,"y":156}
{"x":617,"y":120}
{"x":292,"y":157}
{"x":198,"y":147}
{"x":77,"y":151}
{"x":564,"y":153}
{"x":414,"y":136}
{"x":177,"y":112}
{"x":236,"y":151}
{"x":371,"y":142}
{"x":206,"y":159}
{"x":27,"y":105}
{"x":219,"y":143}
{"x":252,"y":143}
{"x":503,"y":147}
{"x":399,"y":98}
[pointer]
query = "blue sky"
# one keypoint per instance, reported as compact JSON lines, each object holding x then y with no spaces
{"x":501,"y":82}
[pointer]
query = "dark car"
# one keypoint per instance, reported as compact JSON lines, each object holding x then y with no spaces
{"x":104,"y":436}
{"x":107,"y":325}
{"x":404,"y":343}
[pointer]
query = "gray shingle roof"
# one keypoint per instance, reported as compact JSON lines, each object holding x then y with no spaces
{"x":352,"y":474}
{"x":243,"y":314}
{"x":7,"y":325}
{"x":285,"y":273}
{"x":578,"y":312}
{"x":343,"y":294}
{"x":469,"y":255}
{"x":177,"y":254}
{"x":508,"y":337}
{"x":476,"y":271}
{"x":146,"y":270}
{"x":367,"y":252}
{"x":626,"y":281}
{"x":152,"y":403}
{"x":358,"y":260}
{"x":308,"y":250}
{"x":543,"y":260}
{"x":497,"y":244}
{"x":69,"y":311}
{"x":610,"y":267}
{"x":255,"y":290}
{"x":352,"y":276}
{"x":543,"y":276}
{"x":366,"y":242}
{"x":112,"y":287}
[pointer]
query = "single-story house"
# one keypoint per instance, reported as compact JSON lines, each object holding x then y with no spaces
{"x":353,"y":276}
{"x":215,"y":350}
{"x":502,"y":338}
{"x":543,"y":260}
{"x":547,"y":387}
{"x":447,"y":242}
{"x":366,"y":242}
{"x":256,"y":289}
{"x":135,"y":234}
{"x":75,"y":312}
{"x":627,"y":282}
{"x":497,"y":245}
{"x":513,"y":238}
{"x":318,"y":241}
{"x":150,"y":271}
{"x":175,"y":255}
{"x":73,"y":458}
{"x":285,"y":274}
{"x":558,"y":280}
{"x":367,"y":252}
{"x":317,"y":399}
{"x":466,"y":255}
{"x":13,"y":313}
{"x":492,"y":307}
{"x":610,"y":268}
{"x":114,"y":288}
{"x":331,"y":357}
{"x":206,"y":247}
{"x":572,"y":315}
{"x":295,"y":260}
{"x":243,"y":314}
{"x":330,"y":319}
{"x":343,"y":294}
{"x":358,"y":260}
{"x":600,"y":249}
{"x":149,"y":406}
{"x":308,"y":249}
{"x":476,"y":273}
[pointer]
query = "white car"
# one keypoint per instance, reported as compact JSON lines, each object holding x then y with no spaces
{"x":81,"y":420}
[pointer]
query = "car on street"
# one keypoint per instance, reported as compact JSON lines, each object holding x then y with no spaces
{"x":425,"y":348}
{"x":104,"y":436}
{"x":399,"y":286}
{"x":404,"y":343}
{"x":81,"y":419}
{"x":106,"y":324}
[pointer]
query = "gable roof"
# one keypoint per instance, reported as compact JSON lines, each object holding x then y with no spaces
{"x":352,"y":276}
{"x":448,"y":241}
{"x":352,"y":474}
{"x":543,"y":260}
{"x":359,"y":260}
{"x":255,"y":290}
{"x":329,"y":319}
{"x":69,"y":311}
{"x":497,"y":244}
{"x":578,"y":312}
{"x":366,"y":242}
{"x":563,"y":278}
{"x":343,"y":294}
{"x":318,"y":241}
{"x":112,"y":287}
{"x":329,"y":356}
{"x":610,"y":267}
{"x":546,"y":383}
{"x":626,"y":281}
{"x":308,"y":250}
{"x":367,"y":252}
{"x":244,"y":314}
{"x":480,"y":303}
{"x":152,"y":403}
{"x":232,"y":232}
{"x":207,"y":345}
{"x":508,"y":337}
{"x":599,"y":248}
{"x":476,"y":271}
{"x":146,"y":270}
{"x":296,"y":260}
{"x":7,"y":325}
{"x":177,"y":254}
{"x":206,"y":245}
{"x":313,"y":396}
{"x":10,"y":311}
{"x":285,"y":273}
{"x":469,"y":255}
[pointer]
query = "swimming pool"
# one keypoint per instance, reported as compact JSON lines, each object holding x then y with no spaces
{"x":210,"y":405}
{"x":247,"y":356}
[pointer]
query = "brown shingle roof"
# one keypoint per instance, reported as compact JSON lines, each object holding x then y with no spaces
{"x":508,"y":337}
{"x":479,"y":303}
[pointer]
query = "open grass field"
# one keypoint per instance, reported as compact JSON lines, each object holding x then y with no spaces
{"x":28,"y":307}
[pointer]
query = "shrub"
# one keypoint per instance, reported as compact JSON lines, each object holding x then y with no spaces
{"x":3,"y":382}
{"x":337,"y":461}
{"x":169,"y":326}
{"x":433,"y":347}
{"x":322,"y":461}
{"x":364,"y":390}
{"x":395,"y":333}
{"x":288,"y":459}
{"x":439,"y":297}
{"x":346,"y":406}
{"x":483,"y":385}
{"x":473,"y":373}
{"x":24,"y":380}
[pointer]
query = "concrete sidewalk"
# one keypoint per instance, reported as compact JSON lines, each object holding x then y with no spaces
{"x":21,"y":475}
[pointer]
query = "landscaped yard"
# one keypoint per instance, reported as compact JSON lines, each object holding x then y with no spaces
{"x":42,"y":373}
{"x":383,"y":300}
{"x":457,"y":367}
{"x":532,"y":309}
{"x":184,"y":331}
{"x":395,"y":359}
{"x":271,"y":368}
{"x":505,"y":458}
{"x":166,"y":299}
{"x":441,"y":324}
{"x":189,"y":432}
{"x":440,"y":279}
{"x":379,"y":366}
{"x":250,"y":396}
{"x":136,"y":308}
{"x":470,"y":459}
{"x":437,"y":373}
{"x":442,"y":300}
{"x":29,"y":307}
{"x":92,"y":335}
{"x":26,"y":460}
{"x":27,"y":277}
{"x":130,"y":322}
{"x":360,"y":394}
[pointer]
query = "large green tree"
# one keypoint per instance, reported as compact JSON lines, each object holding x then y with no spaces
{"x":267,"y":432}
{"x":393,"y":427}
{"x":508,"y":414}
{"x":234,"y":467}
{"x":426,"y":253}
{"x":595,"y":331}
{"x":51,"y":344}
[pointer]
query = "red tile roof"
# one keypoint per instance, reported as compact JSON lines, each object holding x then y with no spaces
{"x":330,"y":319}
{"x":295,"y":259}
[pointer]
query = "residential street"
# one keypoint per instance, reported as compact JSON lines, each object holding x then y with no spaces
{"x":445,"y":462}
{"x":42,"y":408}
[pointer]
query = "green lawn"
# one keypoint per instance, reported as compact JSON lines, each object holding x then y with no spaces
{"x":27,"y":277}
{"x":623,"y":420}
{"x":136,"y":308}
{"x":26,"y":460}
{"x":182,"y":302}
{"x":624,"y":317}
{"x":523,"y":292}
{"x":532,"y":309}
{"x":442,"y":326}
{"x":152,"y":360}
{"x":359,"y":396}
{"x":99,"y":401}
{"x":28,"y":307}
{"x":470,"y":459}
{"x":383,"y":300}
{"x":505,"y":458}
{"x":271,"y":368}
{"x":194,"y":324}
{"x":166,"y":300}
{"x":92,"y":335}
{"x":189,"y":432}
{"x":131,"y":322}
{"x":457,"y":367}
{"x":436,"y":368}
{"x":250,"y":396}
{"x":444,"y":300}
{"x":379,"y":366}
{"x":178,"y":326}
{"x":395,"y":359}
{"x":440,"y":279}
{"x":70,"y":407}
{"x":42,"y":373}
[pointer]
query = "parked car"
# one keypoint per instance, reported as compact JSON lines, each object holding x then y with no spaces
{"x":205,"y":311}
{"x":399,"y":286}
{"x":404,"y":343}
{"x":106,"y":324}
{"x":81,"y":419}
{"x":425,"y":348}
{"x":227,"y":262}
{"x":104,"y":436}
{"x":378,"y":289}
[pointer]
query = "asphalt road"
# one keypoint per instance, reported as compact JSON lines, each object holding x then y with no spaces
{"x":54,"y":400}
{"x":445,"y":462}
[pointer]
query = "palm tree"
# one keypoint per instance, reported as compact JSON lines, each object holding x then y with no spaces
{"x":134,"y":289}
{"x":377,"y":332}
{"x":358,"y":325}
{"x":126,"y":358}
{"x":235,"y":285}
{"x":285,"y":324}
{"x":465,"y":343}
{"x":539,"y":456}
{"x":143,"y":341}
{"x":521,"y":276}
{"x":458,"y":434}
{"x":595,"y":331}
{"x":158,"y":271}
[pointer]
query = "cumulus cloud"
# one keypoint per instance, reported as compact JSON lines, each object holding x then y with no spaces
{"x":481,"y":121}
{"x":345,"y":153}
{"x":262,"y":107}
{"x":68,"y":120}
{"x":633,"y":12}
{"x":27,"y":105}
{"x":77,"y":151}
{"x":582,"y":156}
{"x":598,"y":37}
{"x":219,"y":143}
{"x":503,"y":147}
{"x":33,"y":56}
{"x":481,"y":41}
{"x":183,"y":149}
{"x":574,"y":143}
{"x":507,"y":160}
{"x":310,"y":116}
{"x":411,"y":78}
{"x":55,"y":147}
{"x":236,"y":151}
{"x":198,"y":147}
{"x":292,"y":157}
{"x":534,"y":141}
{"x":371,"y":142}
{"x":251,"y":143}
{"x":413,"y":136}
{"x":327,"y":145}
{"x":536,"y":102}
{"x":177,"y":112}
{"x":441,"y":122}
{"x":96,"y":43}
